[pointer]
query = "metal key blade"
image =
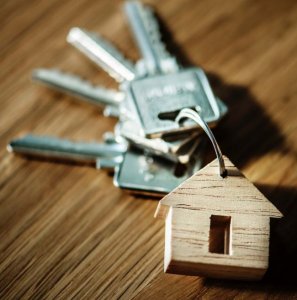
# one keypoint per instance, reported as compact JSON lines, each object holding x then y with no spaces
{"x":148,"y":175}
{"x":179,"y":150}
{"x":145,"y":28}
{"x":77,"y":87}
{"x":102,"y":53}
{"x":50,"y":147}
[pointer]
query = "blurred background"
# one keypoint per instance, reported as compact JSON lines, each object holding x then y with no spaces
{"x":66,"y":230}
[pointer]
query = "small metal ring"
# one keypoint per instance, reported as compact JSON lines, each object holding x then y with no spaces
{"x":194,"y":115}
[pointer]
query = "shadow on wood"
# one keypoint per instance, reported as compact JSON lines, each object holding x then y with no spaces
{"x":283,"y":240}
{"x":247,"y":131}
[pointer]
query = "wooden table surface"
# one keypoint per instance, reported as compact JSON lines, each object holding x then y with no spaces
{"x":66,"y":231}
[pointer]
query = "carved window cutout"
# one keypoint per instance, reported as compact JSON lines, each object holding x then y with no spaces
{"x":220,"y":234}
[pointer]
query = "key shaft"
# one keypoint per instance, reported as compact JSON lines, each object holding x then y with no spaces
{"x":50,"y":147}
{"x":77,"y":87}
{"x":102,"y":53}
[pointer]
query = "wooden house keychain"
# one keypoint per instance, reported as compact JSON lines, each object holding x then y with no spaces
{"x":216,"y":224}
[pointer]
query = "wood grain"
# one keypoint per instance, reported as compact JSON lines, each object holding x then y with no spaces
{"x":65,"y":230}
{"x":196,"y":210}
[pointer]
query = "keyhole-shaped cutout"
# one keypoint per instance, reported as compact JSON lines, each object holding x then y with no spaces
{"x":220,"y":234}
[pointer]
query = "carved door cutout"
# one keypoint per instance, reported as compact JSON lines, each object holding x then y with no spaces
{"x":220,"y":234}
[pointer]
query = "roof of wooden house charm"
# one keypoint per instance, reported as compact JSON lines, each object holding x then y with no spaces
{"x":217,"y":227}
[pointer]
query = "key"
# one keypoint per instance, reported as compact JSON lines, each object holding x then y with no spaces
{"x":155,"y":100}
{"x":77,"y":87}
{"x":51,"y":147}
{"x":150,"y":97}
{"x":145,"y":28}
{"x":102,"y":53}
{"x":133,"y":171}
{"x":81,"y":89}
{"x":152,"y":121}
{"x":96,"y":95}
{"x":149,"y":175}
{"x":179,"y":150}
{"x":146,"y":174}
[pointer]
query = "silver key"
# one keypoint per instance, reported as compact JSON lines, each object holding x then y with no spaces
{"x":77,"y":87}
{"x":145,"y":28}
{"x":179,"y":150}
{"x":50,"y":147}
{"x":143,"y":96}
{"x":148,"y":175}
{"x":102,"y":53}
{"x":153,"y":99}
{"x":153,"y":93}
{"x":84,"y":90}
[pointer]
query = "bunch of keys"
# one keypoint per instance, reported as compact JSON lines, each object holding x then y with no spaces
{"x":148,"y":151}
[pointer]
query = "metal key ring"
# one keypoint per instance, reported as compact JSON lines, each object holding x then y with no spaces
{"x":194,"y":115}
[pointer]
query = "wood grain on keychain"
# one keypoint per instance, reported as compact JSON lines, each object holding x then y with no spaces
{"x":66,"y":231}
{"x":217,"y":227}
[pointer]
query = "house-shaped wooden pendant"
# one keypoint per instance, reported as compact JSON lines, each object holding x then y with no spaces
{"x":217,"y":227}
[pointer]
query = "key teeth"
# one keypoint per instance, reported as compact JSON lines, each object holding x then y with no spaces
{"x":157,"y":54}
{"x":70,"y":83}
{"x":45,"y":74}
{"x":153,"y":29}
